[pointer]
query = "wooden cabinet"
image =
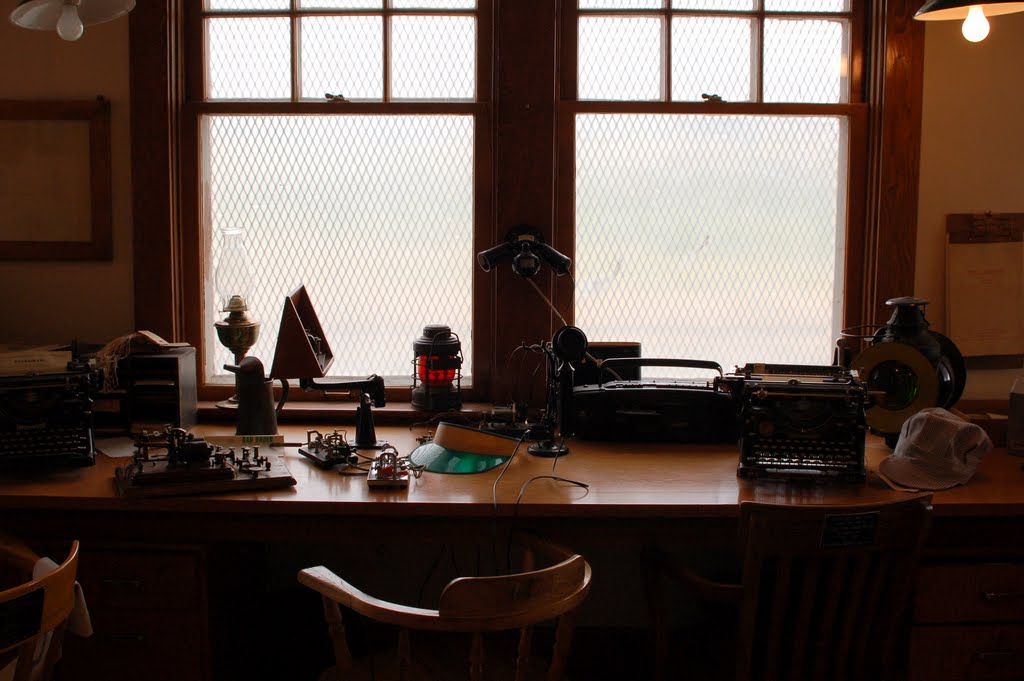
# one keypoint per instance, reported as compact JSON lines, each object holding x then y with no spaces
{"x":148,"y":612}
{"x":154,"y":390}
{"x":969,"y":623}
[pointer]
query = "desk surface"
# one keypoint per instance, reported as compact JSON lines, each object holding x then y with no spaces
{"x":626,"y":481}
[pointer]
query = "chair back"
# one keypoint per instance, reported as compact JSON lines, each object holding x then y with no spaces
{"x":473,"y":605}
{"x":826,"y":588}
{"x":33,"y":610}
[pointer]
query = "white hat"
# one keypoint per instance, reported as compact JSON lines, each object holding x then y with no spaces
{"x":936,"y":450}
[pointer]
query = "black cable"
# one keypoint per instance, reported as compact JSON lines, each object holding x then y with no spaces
{"x":494,"y":485}
{"x":430,"y":573}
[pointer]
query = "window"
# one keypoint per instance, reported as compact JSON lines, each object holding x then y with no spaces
{"x":337,"y":149}
{"x":537,"y":126}
{"x":710,"y":216}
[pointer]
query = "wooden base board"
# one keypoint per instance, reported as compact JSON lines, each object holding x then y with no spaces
{"x":276,"y":478}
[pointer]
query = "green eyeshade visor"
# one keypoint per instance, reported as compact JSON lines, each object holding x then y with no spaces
{"x":457,"y":449}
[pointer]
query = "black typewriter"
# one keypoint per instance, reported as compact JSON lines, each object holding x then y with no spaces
{"x":799,"y":422}
{"x":46,"y":419}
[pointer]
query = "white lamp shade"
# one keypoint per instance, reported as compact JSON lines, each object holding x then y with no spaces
{"x":42,"y":15}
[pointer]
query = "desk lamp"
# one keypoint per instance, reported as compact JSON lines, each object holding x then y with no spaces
{"x":303,"y":352}
{"x":68,"y":17}
{"x":975,"y":27}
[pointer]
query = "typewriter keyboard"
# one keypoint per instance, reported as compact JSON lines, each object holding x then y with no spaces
{"x":48,"y":444}
{"x":780,"y":457}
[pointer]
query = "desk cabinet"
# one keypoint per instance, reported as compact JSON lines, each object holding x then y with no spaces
{"x":148,"y":613}
{"x":969,"y":623}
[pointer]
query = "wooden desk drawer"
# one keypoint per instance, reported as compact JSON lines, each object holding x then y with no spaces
{"x":132,"y":645}
{"x":137,"y":580}
{"x":970,"y":593}
{"x":967,"y":653}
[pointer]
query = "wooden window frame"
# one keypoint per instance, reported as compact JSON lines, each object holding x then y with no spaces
{"x":519,"y":177}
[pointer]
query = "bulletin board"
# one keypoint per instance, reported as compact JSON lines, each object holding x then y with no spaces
{"x":984,"y":287}
{"x":55,"y":180}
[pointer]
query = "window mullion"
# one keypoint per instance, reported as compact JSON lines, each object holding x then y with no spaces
{"x":757,"y":53}
{"x":296,"y":52}
{"x":386,"y":46}
{"x":666,"y":53}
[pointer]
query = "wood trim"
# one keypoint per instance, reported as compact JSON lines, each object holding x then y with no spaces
{"x":96,"y":113}
{"x":156,"y":85}
{"x":897,"y":77}
{"x":526,"y":84}
{"x":484,"y":301}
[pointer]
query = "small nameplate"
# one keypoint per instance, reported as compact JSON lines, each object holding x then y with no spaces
{"x":850,"y":529}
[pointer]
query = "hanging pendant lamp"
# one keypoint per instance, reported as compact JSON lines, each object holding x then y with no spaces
{"x":68,"y":17}
{"x":975,"y":27}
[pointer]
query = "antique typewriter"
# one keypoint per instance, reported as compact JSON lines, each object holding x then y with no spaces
{"x":46,"y":419}
{"x":799,"y":422}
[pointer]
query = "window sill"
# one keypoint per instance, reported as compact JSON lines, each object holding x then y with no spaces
{"x":395,"y":413}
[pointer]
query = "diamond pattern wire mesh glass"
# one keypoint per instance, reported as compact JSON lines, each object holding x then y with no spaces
{"x":236,"y":5}
{"x":711,"y":237}
{"x":721,"y":5}
{"x":341,"y":4}
{"x":342,"y":56}
{"x":807,"y":5}
{"x":374,"y":214}
{"x":248,"y":58}
{"x":713,"y":55}
{"x":621,"y":4}
{"x":433,"y":4}
{"x":805,"y":61}
{"x":433,"y":57}
{"x":620,"y":58}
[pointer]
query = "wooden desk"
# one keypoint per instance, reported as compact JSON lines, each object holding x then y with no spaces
{"x":626,"y":481}
{"x":679,"y":495}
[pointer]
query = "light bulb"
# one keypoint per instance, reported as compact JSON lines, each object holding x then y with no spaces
{"x":69,"y":26}
{"x":975,"y":26}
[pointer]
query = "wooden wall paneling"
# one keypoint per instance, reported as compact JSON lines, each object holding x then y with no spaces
{"x":897,"y":77}
{"x":155,"y":81}
{"x":524,"y":160}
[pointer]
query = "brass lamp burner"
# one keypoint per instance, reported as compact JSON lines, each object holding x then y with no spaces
{"x":237,"y":332}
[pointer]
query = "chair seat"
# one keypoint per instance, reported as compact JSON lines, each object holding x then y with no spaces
{"x":441,"y":656}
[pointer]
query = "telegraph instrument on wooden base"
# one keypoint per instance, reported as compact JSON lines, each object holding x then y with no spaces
{"x":174,"y":461}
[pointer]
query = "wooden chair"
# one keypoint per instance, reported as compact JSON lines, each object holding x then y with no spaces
{"x":823,"y":594}
{"x":472,"y":605}
{"x":33,"y":610}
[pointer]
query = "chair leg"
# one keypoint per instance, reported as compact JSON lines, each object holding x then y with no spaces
{"x":563,"y":641}
{"x":476,"y":657}
{"x":656,"y":612}
{"x":404,"y":655}
{"x":336,"y":630}
{"x":523,"y":654}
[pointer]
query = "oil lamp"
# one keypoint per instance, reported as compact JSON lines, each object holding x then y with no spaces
{"x":437,"y":370}
{"x":237,"y":332}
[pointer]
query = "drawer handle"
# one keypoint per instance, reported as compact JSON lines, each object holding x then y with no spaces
{"x":995,"y":655}
{"x":120,"y":582}
{"x":1003,"y":595}
{"x":137,"y":638}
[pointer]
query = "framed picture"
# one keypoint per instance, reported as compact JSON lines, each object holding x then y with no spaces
{"x":55,"y":180}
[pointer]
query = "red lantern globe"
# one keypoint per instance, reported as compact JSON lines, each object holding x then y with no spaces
{"x":437,"y":370}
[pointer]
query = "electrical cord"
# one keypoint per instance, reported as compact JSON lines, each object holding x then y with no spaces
{"x":494,"y":485}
